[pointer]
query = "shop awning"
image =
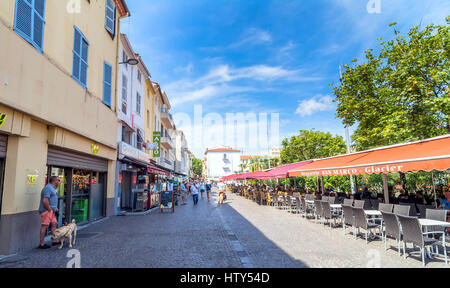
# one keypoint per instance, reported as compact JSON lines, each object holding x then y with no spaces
{"x":282,"y":171}
{"x":425,"y":155}
{"x":257,"y":175}
{"x":156,"y":170}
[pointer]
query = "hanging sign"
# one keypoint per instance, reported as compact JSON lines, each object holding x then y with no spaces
{"x":157,"y":142}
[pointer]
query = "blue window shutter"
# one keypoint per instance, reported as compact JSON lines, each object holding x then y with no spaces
{"x":38,"y":22}
{"x":29,"y":21}
{"x":107,"y":84}
{"x":110,"y":17}
{"x":80,"y":58}
{"x":24,"y":11}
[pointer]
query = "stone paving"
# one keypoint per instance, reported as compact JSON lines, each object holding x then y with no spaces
{"x":239,"y":234}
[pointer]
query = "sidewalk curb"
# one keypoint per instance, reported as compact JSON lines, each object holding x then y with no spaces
{"x":139,"y":213}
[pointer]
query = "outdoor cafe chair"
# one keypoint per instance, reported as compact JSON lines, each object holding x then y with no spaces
{"x":401,"y":210}
{"x":348,"y":218}
{"x":331,"y":200}
{"x":391,"y":229}
{"x":309,"y":197}
{"x":348,"y":202}
{"x":318,"y":210}
{"x":325,"y":198}
{"x":298,"y":204}
{"x":359,"y":204}
{"x":329,"y":214}
{"x":438,"y":215}
{"x":367,"y":204}
{"x":362,"y":222}
{"x":412,"y":233}
{"x":423,"y":210}
{"x":412,"y":210}
{"x":375,"y":204}
{"x":383,"y":207}
{"x":307,"y":209}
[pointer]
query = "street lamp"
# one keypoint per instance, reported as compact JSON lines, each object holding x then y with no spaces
{"x":132,"y":62}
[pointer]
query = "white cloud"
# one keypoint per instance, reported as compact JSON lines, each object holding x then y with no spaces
{"x":319,"y":103}
{"x":218,"y":82}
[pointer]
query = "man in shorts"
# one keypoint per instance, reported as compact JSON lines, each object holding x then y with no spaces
{"x":208,"y":190}
{"x":48,"y":208}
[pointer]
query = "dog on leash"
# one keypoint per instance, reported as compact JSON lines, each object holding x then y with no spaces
{"x":66,"y":232}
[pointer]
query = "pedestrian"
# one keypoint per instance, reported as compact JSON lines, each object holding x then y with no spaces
{"x":183,"y":193}
{"x":208,"y":191}
{"x":202,"y":188}
{"x":48,"y":208}
{"x":195,"y":190}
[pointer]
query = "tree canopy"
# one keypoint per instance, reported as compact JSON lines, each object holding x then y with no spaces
{"x":197,"y":166}
{"x":311,"y":145}
{"x":402,"y":92}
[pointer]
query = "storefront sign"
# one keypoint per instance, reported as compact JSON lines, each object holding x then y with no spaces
{"x":2,"y":119}
{"x":157,"y":142}
{"x":354,"y":171}
{"x":95,"y":149}
{"x":133,"y":153}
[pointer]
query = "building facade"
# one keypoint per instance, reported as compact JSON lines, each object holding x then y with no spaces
{"x":220,"y":162}
{"x":59,"y":112}
{"x":133,"y":160}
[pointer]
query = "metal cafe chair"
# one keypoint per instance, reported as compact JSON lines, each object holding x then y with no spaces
{"x":348,"y":202}
{"x":349,"y":219}
{"x":383,"y":207}
{"x":329,"y":214}
{"x":401,"y":210}
{"x":362,"y":222}
{"x":317,"y":210}
{"x":359,"y":204}
{"x":391,"y":229}
{"x":412,"y":233}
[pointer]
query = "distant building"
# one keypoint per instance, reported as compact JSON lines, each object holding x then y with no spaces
{"x":220,"y":162}
{"x":275,"y":152}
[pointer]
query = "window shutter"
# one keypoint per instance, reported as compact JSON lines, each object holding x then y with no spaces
{"x":110,"y":19}
{"x":107,"y":84}
{"x":76,"y":53}
{"x":80,"y":58}
{"x":24,"y":12}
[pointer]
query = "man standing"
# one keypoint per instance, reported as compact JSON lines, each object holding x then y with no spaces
{"x":195,"y":190}
{"x":208,"y":190}
{"x":48,"y":207}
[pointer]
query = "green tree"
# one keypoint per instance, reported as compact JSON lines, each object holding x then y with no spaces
{"x":400,"y":93}
{"x":311,"y":145}
{"x":197,"y":166}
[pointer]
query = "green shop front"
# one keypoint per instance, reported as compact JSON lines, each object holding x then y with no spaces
{"x":82,"y":193}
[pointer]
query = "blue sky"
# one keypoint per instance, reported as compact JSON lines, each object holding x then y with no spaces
{"x":263,"y":56}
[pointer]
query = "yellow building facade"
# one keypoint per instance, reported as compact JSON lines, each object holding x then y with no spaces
{"x":58,"y":112}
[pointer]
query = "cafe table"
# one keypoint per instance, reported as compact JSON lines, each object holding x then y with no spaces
{"x":425,"y":223}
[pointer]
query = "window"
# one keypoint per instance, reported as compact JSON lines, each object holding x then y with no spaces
{"x":107,"y":84}
{"x":124,"y":94}
{"x":29,"y":21}
{"x":110,"y":19}
{"x":125,"y":59}
{"x":80,"y":58}
{"x":139,"y":76}
{"x":138,"y":103}
{"x":148,"y":118}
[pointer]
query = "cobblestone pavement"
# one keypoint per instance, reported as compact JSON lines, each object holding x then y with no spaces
{"x":237,"y":234}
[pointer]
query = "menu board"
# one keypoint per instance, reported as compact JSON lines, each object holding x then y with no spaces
{"x":166,"y":200}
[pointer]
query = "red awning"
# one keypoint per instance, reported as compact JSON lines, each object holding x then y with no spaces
{"x":282,"y":171}
{"x":156,"y":170}
{"x":426,"y":155}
